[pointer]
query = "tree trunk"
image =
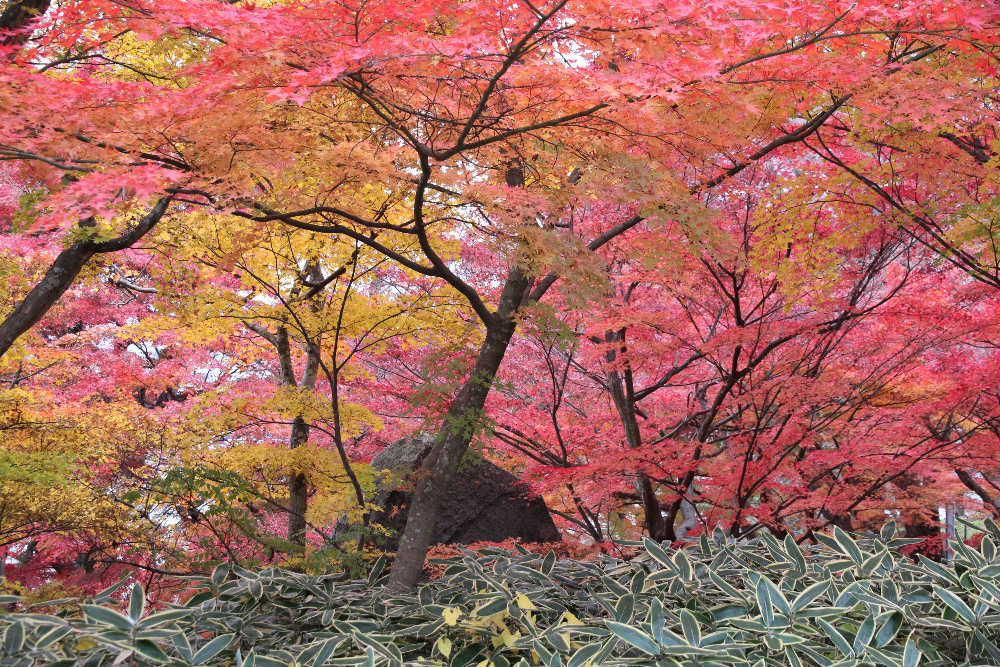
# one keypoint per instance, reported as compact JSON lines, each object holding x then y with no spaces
{"x":15,"y":18}
{"x":298,"y":489}
{"x":461,"y":421}
{"x":63,"y":272}
{"x":44,"y":295}
{"x":298,"y":485}
{"x":690,"y":519}
{"x":990,"y":500}
{"x":951,"y":513}
{"x":656,"y":527}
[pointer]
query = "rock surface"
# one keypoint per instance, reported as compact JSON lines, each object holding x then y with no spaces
{"x":485,"y":503}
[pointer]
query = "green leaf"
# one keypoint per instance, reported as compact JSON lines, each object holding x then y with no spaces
{"x":584,"y":654}
{"x":183,"y":646}
{"x":764,"y":601}
{"x":889,"y":629}
{"x":777,"y":597}
{"x":635,"y":637}
{"x":549,"y":562}
{"x":220,"y":574}
{"x":657,"y":619}
{"x":377,"y":569}
{"x":956,"y":603}
{"x":795,"y":552}
{"x":990,"y":571}
{"x":136,"y":602}
{"x":792,"y":657}
{"x":163,"y":617}
{"x":866,"y":631}
{"x":558,"y":640}
{"x":13,"y":639}
{"x":683,"y":565}
{"x":728,"y":611}
{"x":939,"y":570}
{"x":725,"y":586}
{"x":110,"y":590}
{"x":387,"y":651}
{"x":847,"y":544}
{"x":911,"y":654}
{"x":52,"y":636}
{"x":888,"y":531}
{"x":99,"y":614}
{"x":692,"y":631}
{"x":493,"y":607}
{"x":212,"y":649}
{"x":624,"y":608}
{"x":868,"y":566}
{"x":658,"y":553}
{"x":838,"y":639}
{"x":688,"y":650}
{"x":325,"y":651}
{"x":150,"y":651}
{"x":810,"y":594}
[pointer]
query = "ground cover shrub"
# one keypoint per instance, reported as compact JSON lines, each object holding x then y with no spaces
{"x":847,"y":600}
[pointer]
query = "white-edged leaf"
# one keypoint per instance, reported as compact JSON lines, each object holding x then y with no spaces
{"x":956,"y":603}
{"x":911,"y":654}
{"x":838,"y":639}
{"x":692,"y":631}
{"x":13,"y":639}
{"x":847,"y":544}
{"x":584,"y":654}
{"x":634,"y":636}
{"x":136,"y":602}
{"x":658,"y":553}
{"x":162,"y":617}
{"x":810,"y":594}
{"x":212,"y":649}
{"x":795,"y":552}
{"x":99,"y":614}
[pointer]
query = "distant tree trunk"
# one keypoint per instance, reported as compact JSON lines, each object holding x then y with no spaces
{"x":927,"y":525}
{"x":951,"y":513}
{"x":623,"y":397}
{"x":690,"y":519}
{"x":990,"y":498}
{"x":917,"y":524}
{"x":298,"y":485}
{"x":298,"y":488}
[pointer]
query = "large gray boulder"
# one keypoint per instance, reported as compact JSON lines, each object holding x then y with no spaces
{"x":485,"y":503}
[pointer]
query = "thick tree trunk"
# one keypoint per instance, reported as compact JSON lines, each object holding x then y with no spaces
{"x":461,"y":421}
{"x":463,"y":418}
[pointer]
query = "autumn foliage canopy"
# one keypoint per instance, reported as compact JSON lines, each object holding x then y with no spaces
{"x":677,"y":265}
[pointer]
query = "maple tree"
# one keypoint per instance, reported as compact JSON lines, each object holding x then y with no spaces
{"x":682,"y":264}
